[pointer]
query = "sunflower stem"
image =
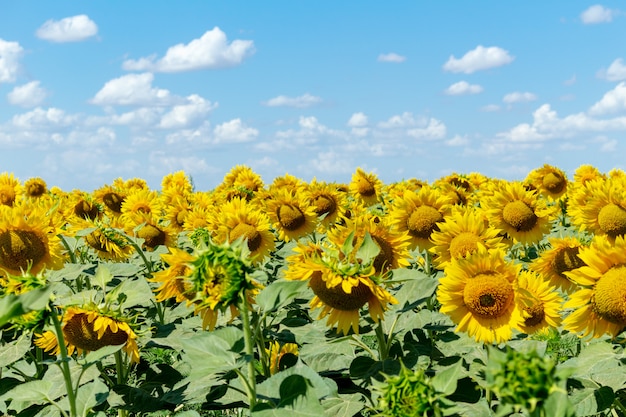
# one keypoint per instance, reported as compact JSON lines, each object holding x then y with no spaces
{"x":64,"y":365}
{"x":427,"y":263}
{"x":249,"y":349}
{"x":619,"y":405}
{"x":383,"y":345}
{"x":70,"y":252}
{"x":121,"y":377}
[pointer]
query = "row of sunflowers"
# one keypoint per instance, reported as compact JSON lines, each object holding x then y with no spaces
{"x":374,"y":289}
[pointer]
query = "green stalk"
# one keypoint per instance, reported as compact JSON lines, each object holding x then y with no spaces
{"x":427,"y":263}
{"x":120,"y":369}
{"x":383,"y":346}
{"x":619,"y":405}
{"x":64,"y":365}
{"x":249,"y":349}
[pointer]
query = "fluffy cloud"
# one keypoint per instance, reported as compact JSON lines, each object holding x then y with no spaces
{"x":391,"y":57}
{"x":434,"y":129}
{"x":597,"y":14}
{"x":71,"y":29}
{"x":480,"y":58}
{"x":42,"y":119}
{"x":518,"y":97}
{"x":10,"y":54}
{"x":234,"y":131}
{"x":615,"y":72}
{"x":305,"y":100}
{"x":358,"y":120}
{"x":211,"y":50}
{"x":612,"y":101}
{"x":183,"y":115}
{"x":132,"y":89}
{"x":463,"y":88}
{"x":27,"y":95}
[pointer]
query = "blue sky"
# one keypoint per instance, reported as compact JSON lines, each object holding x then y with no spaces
{"x":93,"y":91}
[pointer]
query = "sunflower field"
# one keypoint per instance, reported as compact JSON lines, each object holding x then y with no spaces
{"x":464,"y":296}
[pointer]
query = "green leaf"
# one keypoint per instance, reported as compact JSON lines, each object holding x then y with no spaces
{"x":90,"y":395}
{"x":446,"y":381}
{"x":97,"y":355}
{"x":368,"y":250}
{"x":343,"y":405}
{"x":589,"y":402}
{"x":348,"y":245}
{"x":133,"y":293}
{"x":15,"y":350}
{"x":29,"y":393}
{"x":102,"y":276}
{"x":13,"y":306}
{"x":278,"y":294}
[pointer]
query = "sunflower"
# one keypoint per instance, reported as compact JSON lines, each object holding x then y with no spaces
{"x":600,"y":207}
{"x":549,"y":180}
{"x":29,"y":239}
{"x":277,"y":352}
{"x":365,"y":187}
{"x":419,"y":214}
{"x":106,"y":238}
{"x":130,"y":185}
{"x":460,"y":235}
{"x":89,"y":328}
{"x":79,"y":205}
{"x":292,"y":217}
{"x":561,"y":257}
{"x":176,"y":212}
{"x":600,"y":304}
{"x":173,"y":278}
{"x":393,"y":245}
{"x":518,"y":212}
{"x":111,"y":199}
{"x":241,"y":181}
{"x":20,"y":284}
{"x":342,"y":281}
{"x":153,"y":232}
{"x":327,"y":202}
{"x":540,"y":303}
{"x":10,"y":189}
{"x":586,"y":173}
{"x":141,"y":204}
{"x":478,"y":294}
{"x":238,"y":218}
{"x":35,"y":187}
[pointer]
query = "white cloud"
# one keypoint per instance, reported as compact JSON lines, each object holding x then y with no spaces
{"x":305,"y":100}
{"x":490,"y":108}
{"x":463,"y":88}
{"x":162,"y":163}
{"x":405,"y":119}
{"x":211,"y":50}
{"x":458,"y":140}
{"x":70,"y":29}
{"x":42,"y":119}
{"x":615,"y":72}
{"x":480,"y":58}
{"x":27,"y":95}
{"x":391,"y":57}
{"x":332,"y":163}
{"x":597,"y":14}
{"x":518,"y":97}
{"x":612,"y":101}
{"x":10,"y":54}
{"x":183,"y":115}
{"x":570,"y":81}
{"x":234,"y":131}
{"x":435,"y":129}
{"x":358,"y":120}
{"x":132,"y":89}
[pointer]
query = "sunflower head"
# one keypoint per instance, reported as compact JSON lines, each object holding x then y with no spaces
{"x":281,"y":356}
{"x":540,"y":303}
{"x":10,"y":189}
{"x":549,"y":181}
{"x":365,"y":187}
{"x":220,"y":274}
{"x":522,"y":380}
{"x":35,"y":187}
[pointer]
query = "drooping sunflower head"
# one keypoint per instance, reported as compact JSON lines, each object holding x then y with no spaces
{"x":518,"y":212}
{"x":327,"y":202}
{"x":29,"y":239}
{"x":478,"y":294}
{"x":462,"y":233}
{"x":292,"y":216}
{"x":540,"y":303}
{"x":549,"y":180}
{"x":88,"y":328}
{"x":561,"y":257}
{"x":343,"y":280}
{"x":154,"y":233}
{"x":419,"y":214}
{"x":365,"y":187}
{"x":107,"y":240}
{"x":10,"y":189}
{"x":600,"y":304}
{"x":393,"y":246}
